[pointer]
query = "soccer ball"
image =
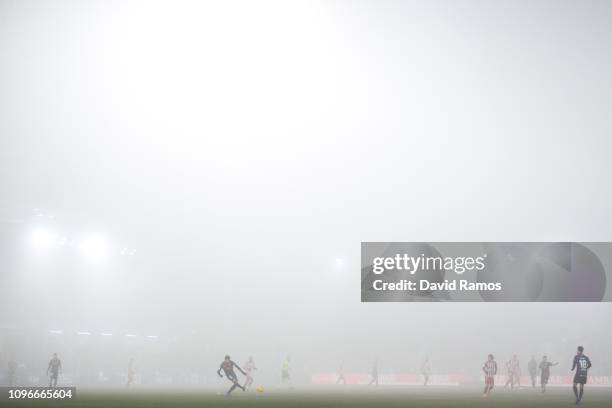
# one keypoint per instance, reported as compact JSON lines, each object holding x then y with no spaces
{"x":259,"y":389}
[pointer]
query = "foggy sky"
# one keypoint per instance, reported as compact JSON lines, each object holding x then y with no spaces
{"x":242,"y":148}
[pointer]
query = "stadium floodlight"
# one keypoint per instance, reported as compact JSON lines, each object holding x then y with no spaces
{"x":125,"y":251}
{"x":130,"y":335}
{"x":151,"y":336}
{"x":56,"y":331}
{"x":339,"y":263}
{"x":106,"y":334}
{"x":94,"y":248}
{"x":43,"y":239}
{"x":84,"y":333}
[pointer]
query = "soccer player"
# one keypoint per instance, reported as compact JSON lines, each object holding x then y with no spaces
{"x":532,"y":367}
{"x":582,"y":364}
{"x":227,"y":365}
{"x":341,"y":374}
{"x":513,"y":372}
{"x":545,"y":372}
{"x":285,"y":376}
{"x":374,"y":373}
{"x":12,"y":373}
{"x":426,"y":371}
{"x":490,"y":370}
{"x":130,"y":373}
{"x":248,"y":368}
{"x":55,"y":367}
{"x":517,"y":372}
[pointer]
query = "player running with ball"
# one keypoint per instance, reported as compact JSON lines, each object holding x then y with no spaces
{"x":228,"y":368}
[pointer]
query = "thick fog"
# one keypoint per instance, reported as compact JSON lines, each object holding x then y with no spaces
{"x":184,"y":180}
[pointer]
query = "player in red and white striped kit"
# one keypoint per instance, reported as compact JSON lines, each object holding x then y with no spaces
{"x":489,"y":369}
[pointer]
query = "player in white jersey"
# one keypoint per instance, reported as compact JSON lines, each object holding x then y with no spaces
{"x":426,"y":371}
{"x":374,"y":373}
{"x":341,"y":378}
{"x":130,"y":373}
{"x":513,"y":367}
{"x":248,"y":369}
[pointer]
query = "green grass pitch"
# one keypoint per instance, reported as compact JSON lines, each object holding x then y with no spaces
{"x":346,"y":397}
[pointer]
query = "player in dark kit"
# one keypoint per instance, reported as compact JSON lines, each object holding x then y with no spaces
{"x":490,"y":370}
{"x":532,"y":367}
{"x":12,"y":373}
{"x":582,"y":364}
{"x":228,"y":368}
{"x":545,"y":372}
{"x":426,"y":371}
{"x":55,"y":366}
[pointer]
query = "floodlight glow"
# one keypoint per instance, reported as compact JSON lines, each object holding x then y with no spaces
{"x":43,"y":239}
{"x":130,"y":335}
{"x":151,"y":337}
{"x":56,"y":331}
{"x":94,"y":248}
{"x":125,"y":251}
{"x":106,"y":334}
{"x":83,"y":333}
{"x":339,"y":262}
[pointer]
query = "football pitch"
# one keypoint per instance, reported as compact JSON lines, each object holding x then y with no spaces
{"x":348,"y":397}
